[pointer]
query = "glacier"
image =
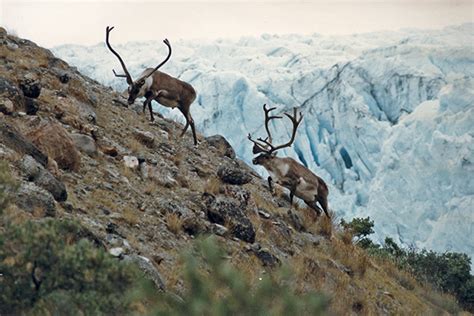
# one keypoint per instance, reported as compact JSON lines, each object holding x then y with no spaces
{"x":388,"y":116}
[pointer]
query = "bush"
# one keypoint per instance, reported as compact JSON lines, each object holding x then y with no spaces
{"x":448,"y":272}
{"x":214,"y":287}
{"x":45,"y":269}
{"x":7,"y":186}
{"x":360,"y":229}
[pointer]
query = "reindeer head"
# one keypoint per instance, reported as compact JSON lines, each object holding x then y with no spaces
{"x":264,"y":147}
{"x":134,"y":87}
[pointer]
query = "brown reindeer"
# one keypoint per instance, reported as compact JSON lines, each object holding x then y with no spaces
{"x":286,"y":171}
{"x":156,"y":85}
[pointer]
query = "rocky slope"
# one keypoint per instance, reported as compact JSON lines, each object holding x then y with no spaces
{"x":142,"y":192}
{"x":357,"y":92}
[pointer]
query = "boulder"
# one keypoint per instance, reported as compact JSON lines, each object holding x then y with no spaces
{"x":130,"y":162}
{"x":34,"y":199}
{"x":43,"y":178}
{"x":148,"y":268}
{"x":267,"y":258}
{"x":7,"y":107}
{"x":55,"y":141}
{"x":232,"y":174}
{"x":146,"y":138}
{"x":226,"y":212}
{"x":10,"y":96}
{"x":85,"y":144}
{"x":222,"y":145}
{"x":13,"y":139}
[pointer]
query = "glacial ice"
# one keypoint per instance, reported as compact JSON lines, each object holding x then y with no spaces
{"x":388,"y":116}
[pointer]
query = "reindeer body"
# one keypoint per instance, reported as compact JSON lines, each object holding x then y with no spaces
{"x":156,"y":85}
{"x":301,"y":182}
{"x":170,"y":92}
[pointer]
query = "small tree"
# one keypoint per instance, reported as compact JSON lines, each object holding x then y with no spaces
{"x":360,"y":229}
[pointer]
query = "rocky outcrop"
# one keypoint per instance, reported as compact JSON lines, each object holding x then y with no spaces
{"x":36,"y":173}
{"x":56,"y":142}
{"x":226,"y":212}
{"x":232,"y":174}
{"x":13,"y":139}
{"x":36,"y":200}
{"x":221,"y":145}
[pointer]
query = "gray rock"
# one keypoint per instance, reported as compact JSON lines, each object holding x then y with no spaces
{"x":117,"y":251}
{"x":295,"y":221}
{"x":85,"y":144}
{"x":222,"y":145}
{"x":10,"y":137}
{"x":267,"y":258}
{"x":32,"y":198}
{"x":43,"y":178}
{"x":146,"y":138}
{"x":30,"y":167}
{"x":130,"y":162}
{"x":263,"y":213}
{"x":6,"y":106}
{"x":8,"y":90}
{"x":148,"y":269}
{"x":309,"y":238}
{"x":219,"y":229}
{"x":233,"y":175}
{"x":224,"y":211}
{"x":87,"y":112}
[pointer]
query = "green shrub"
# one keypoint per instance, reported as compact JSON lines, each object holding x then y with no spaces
{"x":7,"y":186}
{"x":45,"y":269}
{"x":449,"y":272}
{"x":360,"y":228}
{"x":214,"y":287}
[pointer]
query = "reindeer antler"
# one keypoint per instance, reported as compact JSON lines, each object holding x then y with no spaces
{"x":265,"y":145}
{"x":127,"y":74}
{"x":164,"y":61}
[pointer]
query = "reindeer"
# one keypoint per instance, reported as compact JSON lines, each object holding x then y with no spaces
{"x":156,"y":85}
{"x":286,"y":171}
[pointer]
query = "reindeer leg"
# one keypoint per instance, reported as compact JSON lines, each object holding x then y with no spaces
{"x":324,"y":203}
{"x":149,"y":97}
{"x":314,"y":206}
{"x":189,"y":122}
{"x":270,"y":184}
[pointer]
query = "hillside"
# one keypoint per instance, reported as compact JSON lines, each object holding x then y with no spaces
{"x":362,"y":131}
{"x":140,"y":190}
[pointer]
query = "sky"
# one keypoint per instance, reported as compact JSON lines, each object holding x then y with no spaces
{"x":52,"y":23}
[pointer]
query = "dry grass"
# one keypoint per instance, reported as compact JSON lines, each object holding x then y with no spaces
{"x":174,"y":222}
{"x":212,"y":186}
{"x":149,"y":188}
{"x":249,"y":266}
{"x":346,"y":236}
{"x":15,"y":215}
{"x":177,"y":158}
{"x":134,"y":145}
{"x":103,"y":198}
{"x":325,"y":226}
{"x":126,"y":172}
{"x":130,"y":216}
